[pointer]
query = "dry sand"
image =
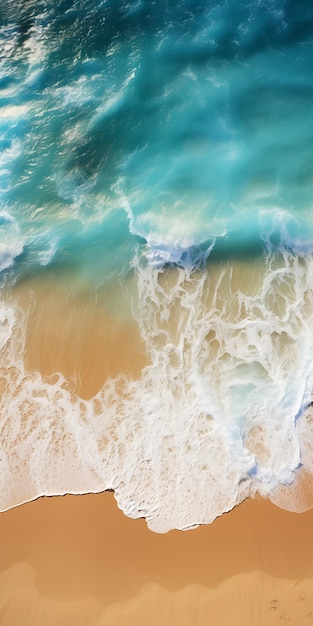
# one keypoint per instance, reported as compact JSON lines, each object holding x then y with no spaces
{"x":77,"y":561}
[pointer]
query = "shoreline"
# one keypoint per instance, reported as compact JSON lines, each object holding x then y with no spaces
{"x":77,"y":560}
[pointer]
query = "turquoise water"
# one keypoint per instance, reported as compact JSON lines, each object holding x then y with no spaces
{"x":175,"y":123}
{"x":137,"y":136}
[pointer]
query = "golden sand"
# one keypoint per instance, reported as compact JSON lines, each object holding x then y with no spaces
{"x":86,"y":335}
{"x":79,"y":560}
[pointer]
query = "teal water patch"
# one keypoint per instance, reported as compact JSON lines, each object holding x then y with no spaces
{"x":195,"y":119}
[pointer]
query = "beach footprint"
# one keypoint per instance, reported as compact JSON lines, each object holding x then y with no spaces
{"x":274,"y":605}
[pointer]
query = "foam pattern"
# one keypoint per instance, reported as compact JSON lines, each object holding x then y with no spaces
{"x":220,"y":413}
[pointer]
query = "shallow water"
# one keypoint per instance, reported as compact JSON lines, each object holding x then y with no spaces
{"x":156,"y":253}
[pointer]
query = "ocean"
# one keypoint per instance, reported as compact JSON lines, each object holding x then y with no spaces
{"x":156,"y":171}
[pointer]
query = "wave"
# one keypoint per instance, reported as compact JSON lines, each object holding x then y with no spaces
{"x":182,"y":133}
{"x":193,"y":119}
{"x":219,"y":413}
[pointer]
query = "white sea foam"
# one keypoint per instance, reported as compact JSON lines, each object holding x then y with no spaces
{"x":11,"y":241}
{"x":217,"y":415}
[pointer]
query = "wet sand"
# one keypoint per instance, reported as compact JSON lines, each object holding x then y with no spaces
{"x":87,"y":335}
{"x":79,"y":560}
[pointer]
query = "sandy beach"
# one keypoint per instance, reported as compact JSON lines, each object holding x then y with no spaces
{"x":156,"y":313}
{"x":79,"y":560}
